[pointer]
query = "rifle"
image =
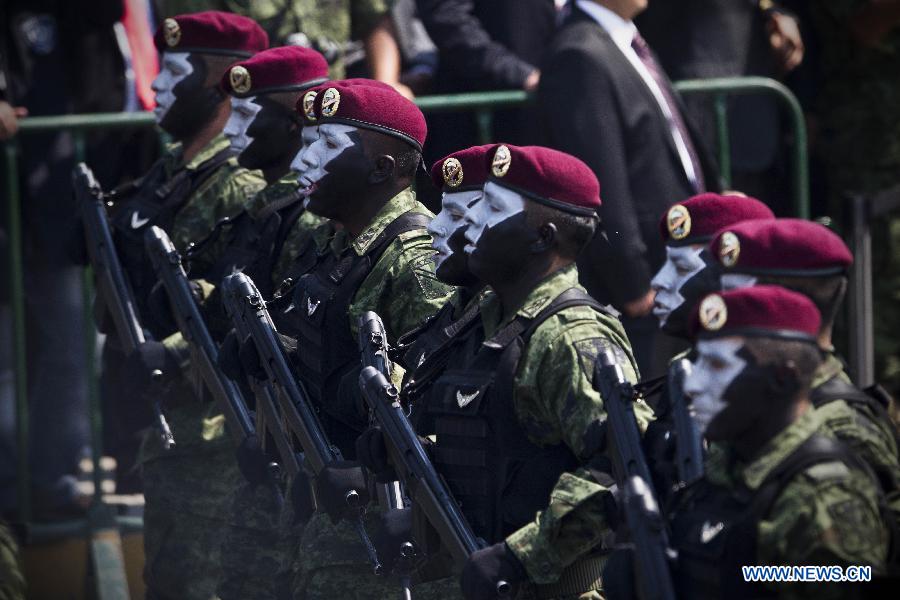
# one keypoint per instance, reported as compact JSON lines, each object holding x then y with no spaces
{"x":112,"y":285}
{"x":688,"y":448}
{"x":425,"y":486}
{"x":651,"y":541}
{"x":204,"y":352}
{"x":292,"y":398}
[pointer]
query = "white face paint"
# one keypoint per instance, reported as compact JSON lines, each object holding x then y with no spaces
{"x":174,"y":69}
{"x":734,"y":281}
{"x":716,"y":367}
{"x":682,"y":263}
{"x":452,"y":216}
{"x":243,"y":112}
{"x":330,"y":141}
{"x":497,"y":204}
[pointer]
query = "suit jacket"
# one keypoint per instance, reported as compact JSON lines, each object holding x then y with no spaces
{"x":596,"y":106}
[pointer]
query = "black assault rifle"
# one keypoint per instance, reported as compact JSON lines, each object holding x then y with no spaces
{"x":293,"y":401}
{"x":204,"y":352}
{"x":112,"y":286}
{"x":648,"y":530}
{"x":425,"y":487}
{"x":688,"y":446}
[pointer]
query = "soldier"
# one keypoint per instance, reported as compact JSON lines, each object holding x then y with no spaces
{"x":357,"y":173}
{"x":518,"y":423}
{"x":810,"y":259}
{"x":197,"y":183}
{"x":777,"y":490}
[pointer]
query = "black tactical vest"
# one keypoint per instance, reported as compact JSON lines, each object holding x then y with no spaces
{"x":328,"y":356}
{"x":499,"y":477}
{"x":154,"y":202}
{"x":413,"y":347}
{"x":715,"y":530}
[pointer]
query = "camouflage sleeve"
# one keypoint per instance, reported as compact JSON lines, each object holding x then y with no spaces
{"x":556,"y":402}
{"x":366,"y":14}
{"x":828,"y":516}
{"x":12,"y":582}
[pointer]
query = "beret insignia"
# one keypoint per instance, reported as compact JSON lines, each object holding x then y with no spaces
{"x":240,"y":79}
{"x":309,"y":100}
{"x":331,"y":99}
{"x":501,"y":162}
{"x":729,"y":249}
{"x":172,"y":32}
{"x":453,"y":172}
{"x":713,"y":313}
{"x":678,"y":221}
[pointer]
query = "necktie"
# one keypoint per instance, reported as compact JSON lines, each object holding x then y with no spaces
{"x":144,"y":59}
{"x":646,"y":56}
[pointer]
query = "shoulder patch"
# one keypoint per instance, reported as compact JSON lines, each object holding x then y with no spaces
{"x":852,"y":522}
{"x":423,"y":270}
{"x":589,"y":349}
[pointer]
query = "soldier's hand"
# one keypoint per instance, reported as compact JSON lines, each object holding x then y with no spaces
{"x":487,"y":568}
{"x":252,"y":461}
{"x":229,"y":359}
{"x":160,"y":320}
{"x":618,"y":575}
{"x":372,"y":452}
{"x":393,"y":539}
{"x":249,"y":359}
{"x":151,"y":363}
{"x":9,"y":119}
{"x":341,"y":490}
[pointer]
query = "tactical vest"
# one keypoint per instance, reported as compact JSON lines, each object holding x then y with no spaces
{"x":254,"y":243}
{"x":317,"y":316}
{"x":498,"y":476}
{"x":413,"y":347}
{"x":154,"y":202}
{"x":715,"y":530}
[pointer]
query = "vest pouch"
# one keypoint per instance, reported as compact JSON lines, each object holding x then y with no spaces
{"x":464,"y":391}
{"x":524,"y":494}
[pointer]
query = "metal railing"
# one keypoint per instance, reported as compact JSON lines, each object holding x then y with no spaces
{"x":481,"y":104}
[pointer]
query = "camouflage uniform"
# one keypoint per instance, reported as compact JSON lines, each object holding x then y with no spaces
{"x":826,"y":515}
{"x":187,"y":489}
{"x":329,"y":561}
{"x":328,"y":25}
{"x":12,"y":582}
{"x":862,"y":148}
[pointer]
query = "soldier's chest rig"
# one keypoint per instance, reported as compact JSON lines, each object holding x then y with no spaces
{"x":463,"y":393}
{"x":253,"y":243}
{"x":328,"y":358}
{"x":715,"y":530}
{"x":415,"y":346}
{"x":151,"y":200}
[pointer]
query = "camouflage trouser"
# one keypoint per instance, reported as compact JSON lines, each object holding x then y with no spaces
{"x":187,"y":492}
{"x":330,"y":562}
{"x":12,"y":583}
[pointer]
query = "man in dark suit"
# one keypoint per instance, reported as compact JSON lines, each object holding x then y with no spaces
{"x":605,"y":99}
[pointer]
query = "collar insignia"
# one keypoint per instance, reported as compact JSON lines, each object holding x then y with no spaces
{"x":729,"y":249}
{"x":713,"y":312}
{"x":464,"y":399}
{"x":678,"y":221}
{"x":502,"y":160}
{"x":331,"y":99}
{"x":708,"y":531}
{"x":171,"y":32}
{"x":311,"y":306}
{"x":453,"y":172}
{"x":309,"y":101}
{"x":239,"y":77}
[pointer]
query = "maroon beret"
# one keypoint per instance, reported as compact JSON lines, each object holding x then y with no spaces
{"x":371,"y":105}
{"x":697,"y":219}
{"x":548,"y":176}
{"x":211,"y":32}
{"x":762,"y":310}
{"x":281,"y":69}
{"x":783,"y":247}
{"x":464,"y":170}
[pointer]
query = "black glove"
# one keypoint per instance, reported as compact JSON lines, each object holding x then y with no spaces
{"x":618,"y":575}
{"x":151,"y":363}
{"x":159,"y":319}
{"x":393,"y":537}
{"x":301,"y":498}
{"x":341,"y":490}
{"x":252,"y":461}
{"x":372,"y":452}
{"x":229,"y":359}
{"x":487,"y":568}
{"x":249,"y":359}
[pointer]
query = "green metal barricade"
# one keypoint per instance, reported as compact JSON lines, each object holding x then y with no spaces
{"x":481,"y":104}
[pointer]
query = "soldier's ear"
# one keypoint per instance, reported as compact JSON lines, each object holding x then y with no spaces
{"x":383,"y":169}
{"x":545,"y":239}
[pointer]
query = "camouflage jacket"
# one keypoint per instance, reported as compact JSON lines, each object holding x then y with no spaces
{"x":326,"y":25}
{"x":555,"y":402}
{"x":827,"y":515}
{"x":12,"y":582}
